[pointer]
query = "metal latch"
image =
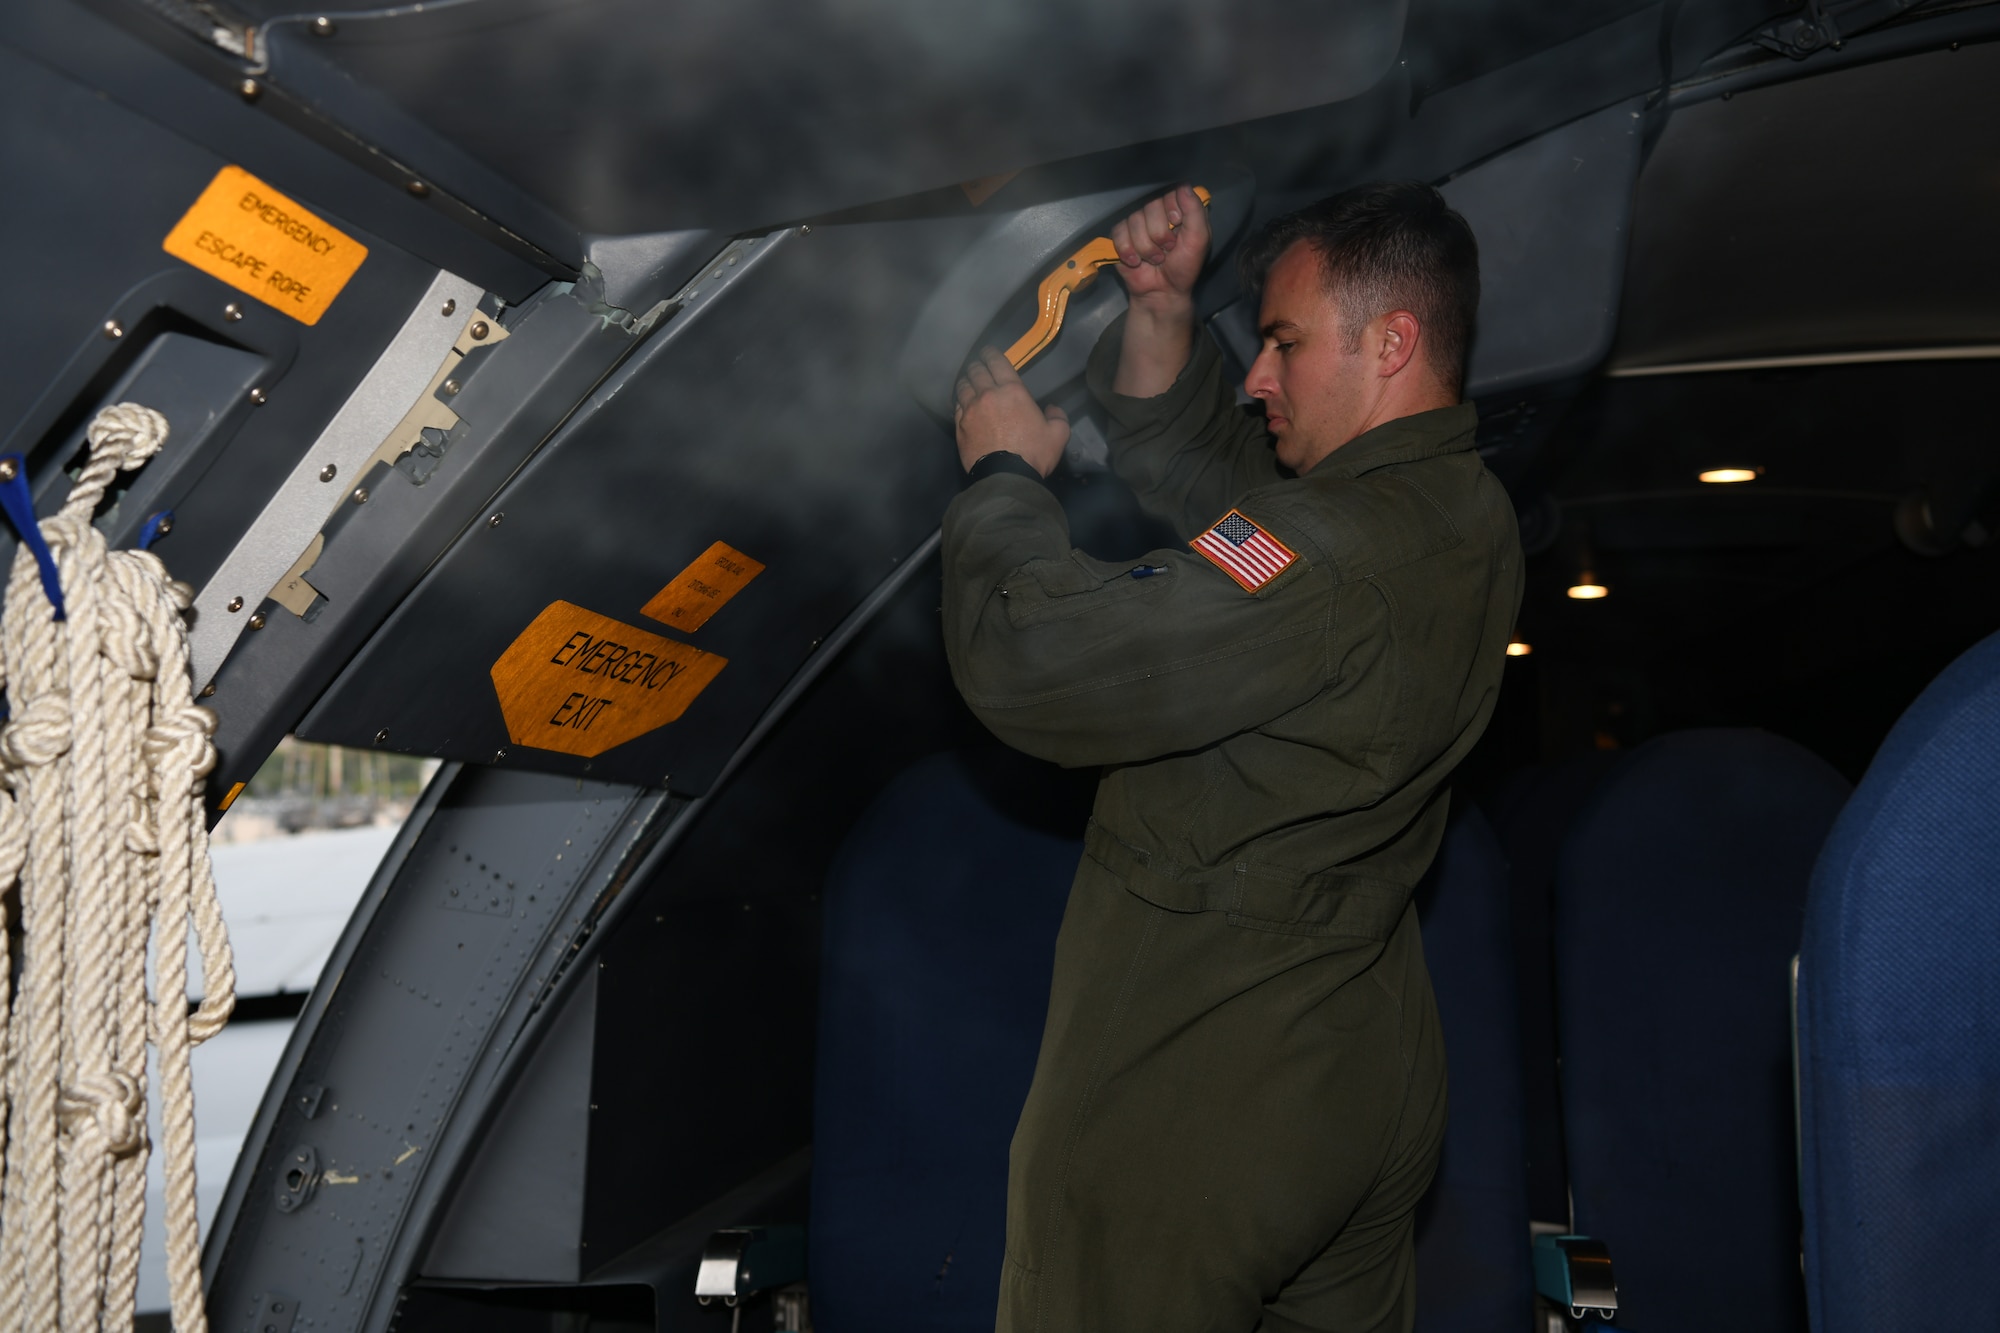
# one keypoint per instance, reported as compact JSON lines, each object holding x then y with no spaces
{"x":298,"y":1178}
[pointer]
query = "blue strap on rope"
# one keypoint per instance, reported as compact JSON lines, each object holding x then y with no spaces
{"x":18,"y":503}
{"x":158,"y":526}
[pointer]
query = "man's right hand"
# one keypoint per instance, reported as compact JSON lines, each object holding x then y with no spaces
{"x":1161,"y":249}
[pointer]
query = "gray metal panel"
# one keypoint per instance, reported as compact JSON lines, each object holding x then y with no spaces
{"x":52,"y":215}
{"x":511,"y":399}
{"x":770,"y":419}
{"x":1552,"y":220}
{"x":155,"y":73}
{"x":199,"y":386}
{"x":426,"y":1015}
{"x":66,"y":149}
{"x":730,"y":114}
{"x":1809,"y":218}
{"x":519,"y":1215}
{"x":455,"y":946}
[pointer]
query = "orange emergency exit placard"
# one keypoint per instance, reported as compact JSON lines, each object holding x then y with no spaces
{"x":265,"y":245}
{"x":580,"y":683}
{"x":699,"y":591}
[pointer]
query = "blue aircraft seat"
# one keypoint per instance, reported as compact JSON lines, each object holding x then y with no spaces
{"x":1899,"y":1026}
{"x":1680,"y":898}
{"x":1532,"y":813}
{"x":939,"y":926}
{"x":1473,"y":1263}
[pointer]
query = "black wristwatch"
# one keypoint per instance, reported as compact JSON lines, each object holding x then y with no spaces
{"x":1000,"y":460}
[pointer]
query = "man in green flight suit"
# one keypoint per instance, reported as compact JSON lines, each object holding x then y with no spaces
{"x":1241,"y":1092}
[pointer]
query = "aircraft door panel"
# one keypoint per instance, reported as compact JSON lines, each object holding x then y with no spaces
{"x":765,"y":417}
{"x":461,"y":941}
{"x":534,"y":1151}
{"x":509,"y":394}
{"x":988,"y":297}
{"x":141,"y":59}
{"x":88,"y":222}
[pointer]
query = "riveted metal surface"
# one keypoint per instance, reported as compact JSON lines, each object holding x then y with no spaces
{"x":416,"y":1001}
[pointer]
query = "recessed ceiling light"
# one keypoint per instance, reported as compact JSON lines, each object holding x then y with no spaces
{"x":1724,"y":476}
{"x":1588,"y":589}
{"x":1518,"y":648}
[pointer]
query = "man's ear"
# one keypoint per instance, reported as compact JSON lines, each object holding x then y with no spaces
{"x":1396,"y":336}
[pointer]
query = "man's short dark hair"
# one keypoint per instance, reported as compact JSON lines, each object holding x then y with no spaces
{"x":1392,"y":245}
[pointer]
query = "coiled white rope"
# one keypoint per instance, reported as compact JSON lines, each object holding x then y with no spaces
{"x":102,"y":761}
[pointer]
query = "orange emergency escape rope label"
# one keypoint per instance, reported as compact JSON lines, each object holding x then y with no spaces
{"x":699,"y":591}
{"x":580,"y":683}
{"x":265,"y":245}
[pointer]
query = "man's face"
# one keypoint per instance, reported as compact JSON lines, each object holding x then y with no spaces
{"x":1315,"y":388}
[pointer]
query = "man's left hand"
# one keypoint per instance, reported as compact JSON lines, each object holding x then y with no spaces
{"x":997,"y":414}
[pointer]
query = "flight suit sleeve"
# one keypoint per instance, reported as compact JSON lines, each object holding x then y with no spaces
{"x":1076,"y":660}
{"x":1190,"y":452}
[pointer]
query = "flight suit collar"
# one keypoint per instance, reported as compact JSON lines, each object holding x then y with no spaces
{"x":1442,"y":430}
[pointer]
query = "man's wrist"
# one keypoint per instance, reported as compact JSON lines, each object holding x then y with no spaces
{"x":1161,"y":313}
{"x":1158,"y":343}
{"x":999,"y":461}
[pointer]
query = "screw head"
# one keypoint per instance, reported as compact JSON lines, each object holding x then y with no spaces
{"x":232,"y":312}
{"x":329,"y":472}
{"x":382,"y":736}
{"x":449,"y":306}
{"x":166,"y":526}
{"x":207,"y":690}
{"x":361,"y":495}
{"x":494,"y":522}
{"x":418,"y":189}
{"x":249,"y":90}
{"x":257,"y":621}
{"x":451,"y":386}
{"x":323,"y":27}
{"x":259,"y":397}
{"x":498,"y":755}
{"x":113,"y":329}
{"x":236,"y":604}
{"x":478,"y":330}
{"x":9,"y":469}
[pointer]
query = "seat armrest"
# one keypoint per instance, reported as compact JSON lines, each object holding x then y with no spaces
{"x":739,"y":1261}
{"x":1575,"y":1272}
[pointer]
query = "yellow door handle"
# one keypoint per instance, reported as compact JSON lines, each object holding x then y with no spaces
{"x":1052,"y":296}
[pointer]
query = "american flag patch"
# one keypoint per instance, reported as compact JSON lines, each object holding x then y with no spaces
{"x":1244,"y":551}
